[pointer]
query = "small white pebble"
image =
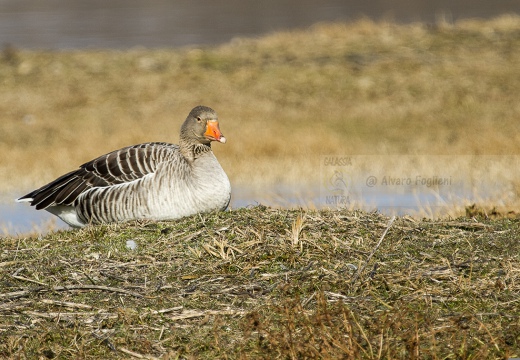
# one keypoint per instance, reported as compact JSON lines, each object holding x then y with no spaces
{"x":131,"y":244}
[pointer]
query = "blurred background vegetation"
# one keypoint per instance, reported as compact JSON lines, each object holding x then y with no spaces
{"x":284,"y":99}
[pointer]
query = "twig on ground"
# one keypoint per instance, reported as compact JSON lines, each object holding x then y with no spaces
{"x":68,"y":315}
{"x":22,"y":293}
{"x":189,"y":314}
{"x":306,"y":301}
{"x":165,"y":311}
{"x":66,"y":304}
{"x":21,"y":278}
{"x":361,"y":269}
{"x":9,"y":263}
{"x":136,"y":355}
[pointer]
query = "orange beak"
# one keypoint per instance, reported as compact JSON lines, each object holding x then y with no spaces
{"x":213,"y":132}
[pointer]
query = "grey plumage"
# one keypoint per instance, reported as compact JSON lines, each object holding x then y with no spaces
{"x":146,"y":181}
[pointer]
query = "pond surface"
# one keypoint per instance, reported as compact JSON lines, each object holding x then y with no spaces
{"x":419,"y":185}
{"x":20,"y":218}
{"x":69,"y":24}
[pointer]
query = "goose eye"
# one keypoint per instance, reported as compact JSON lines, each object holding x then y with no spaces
{"x":199,"y":119}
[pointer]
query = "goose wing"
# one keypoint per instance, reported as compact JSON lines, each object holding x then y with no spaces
{"x":117,"y":167}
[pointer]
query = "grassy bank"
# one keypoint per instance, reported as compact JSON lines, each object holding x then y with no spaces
{"x":284,"y":100}
{"x":264,"y":283}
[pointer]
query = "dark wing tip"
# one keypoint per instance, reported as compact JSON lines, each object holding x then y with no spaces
{"x":45,"y":196}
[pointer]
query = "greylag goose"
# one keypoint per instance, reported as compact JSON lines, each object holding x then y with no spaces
{"x":157,"y":181}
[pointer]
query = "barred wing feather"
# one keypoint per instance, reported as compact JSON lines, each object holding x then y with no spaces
{"x":117,"y":167}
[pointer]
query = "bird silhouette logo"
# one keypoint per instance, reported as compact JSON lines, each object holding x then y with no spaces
{"x":338,"y":182}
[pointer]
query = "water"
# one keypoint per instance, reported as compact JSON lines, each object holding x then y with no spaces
{"x":20,"y":218}
{"x":68,"y":24}
{"x":418,"y":185}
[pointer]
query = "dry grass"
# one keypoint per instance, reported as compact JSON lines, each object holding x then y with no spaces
{"x":263,"y":283}
{"x":284,"y":100}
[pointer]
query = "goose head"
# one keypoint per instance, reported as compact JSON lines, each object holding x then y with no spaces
{"x":201,"y":127}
